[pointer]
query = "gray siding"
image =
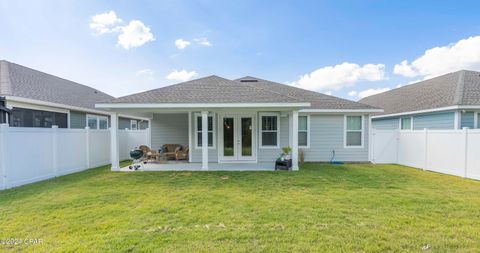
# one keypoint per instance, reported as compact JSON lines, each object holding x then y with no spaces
{"x":78,"y":119}
{"x":327,"y":134}
{"x":169,"y":129}
{"x":385,"y":124}
{"x":443,"y":120}
{"x":269,"y":154}
{"x":467,"y":120}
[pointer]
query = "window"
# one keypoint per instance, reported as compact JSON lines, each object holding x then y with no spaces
{"x":269,"y":130}
{"x":97,"y":122}
{"x":210,"y":129}
{"x":478,"y":120}
{"x":354,"y":131}
{"x":133,"y":124}
{"x":21,"y":117}
{"x":406,"y":123}
{"x":303,"y":131}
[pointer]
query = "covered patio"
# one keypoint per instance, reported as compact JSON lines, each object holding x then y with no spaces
{"x":211,"y":167}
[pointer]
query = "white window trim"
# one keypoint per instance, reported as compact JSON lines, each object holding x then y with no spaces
{"x":475,"y":120}
{"x":132,"y":121}
{"x":260,"y":131}
{"x":345,"y":131}
{"x":195,"y":130}
{"x":308,"y":131}
{"x":98,"y":117}
{"x":400,"y":124}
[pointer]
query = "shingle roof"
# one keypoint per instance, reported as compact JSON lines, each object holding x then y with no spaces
{"x":317,"y":100}
{"x":457,"y":88}
{"x":210,"y":89}
{"x":20,"y":81}
{"x":214,"y":89}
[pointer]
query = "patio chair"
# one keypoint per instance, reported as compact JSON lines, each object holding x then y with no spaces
{"x":149,"y":154}
{"x":169,"y":150}
{"x":182,"y":154}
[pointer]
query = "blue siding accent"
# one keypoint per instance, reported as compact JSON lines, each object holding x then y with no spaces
{"x":385,"y":124}
{"x":443,"y":120}
{"x":467,"y":120}
{"x":327,"y":134}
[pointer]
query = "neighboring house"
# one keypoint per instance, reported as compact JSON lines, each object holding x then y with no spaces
{"x":450,"y":101}
{"x":249,"y":120}
{"x":30,"y":98}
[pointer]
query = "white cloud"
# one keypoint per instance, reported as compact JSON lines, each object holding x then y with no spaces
{"x":341,"y":75}
{"x":146,"y":73}
{"x":464,"y":54}
{"x":105,"y":22}
{"x":352,"y":93}
{"x":370,"y":92}
{"x":181,"y":43}
{"x":182,"y":75}
{"x":135,"y":34}
{"x":328,"y":93}
{"x":203,"y":42}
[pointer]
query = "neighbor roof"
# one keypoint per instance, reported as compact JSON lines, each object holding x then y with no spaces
{"x":20,"y":81}
{"x":214,"y":89}
{"x":457,"y":88}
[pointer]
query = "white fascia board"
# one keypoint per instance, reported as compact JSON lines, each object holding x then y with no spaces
{"x":447,"y":108}
{"x":198,"y":105}
{"x":68,"y":107}
{"x":340,"y":110}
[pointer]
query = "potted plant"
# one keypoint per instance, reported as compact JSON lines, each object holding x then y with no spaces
{"x":286,"y":152}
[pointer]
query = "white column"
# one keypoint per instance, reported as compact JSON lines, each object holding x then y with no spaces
{"x":294,"y":133}
{"x":148,"y":135}
{"x":114,"y":156}
{"x":457,"y":118}
{"x":204,"y":140}
{"x":190,"y":137}
{"x":87,"y":146}
{"x":55,"y":149}
{"x":3,"y":155}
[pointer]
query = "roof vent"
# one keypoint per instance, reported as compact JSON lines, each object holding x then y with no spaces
{"x":249,"y":80}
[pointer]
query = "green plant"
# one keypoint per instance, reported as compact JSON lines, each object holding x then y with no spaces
{"x":286,"y":150}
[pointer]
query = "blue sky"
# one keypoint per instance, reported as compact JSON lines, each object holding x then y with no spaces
{"x":344,"y":48}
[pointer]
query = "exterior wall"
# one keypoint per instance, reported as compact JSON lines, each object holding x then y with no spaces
{"x":78,"y":119}
{"x":327,"y":134}
{"x":467,"y":120}
{"x":169,"y":129}
{"x":385,"y":124}
{"x":440,"y":120}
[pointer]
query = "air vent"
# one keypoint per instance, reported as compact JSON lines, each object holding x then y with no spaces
{"x":249,"y":80}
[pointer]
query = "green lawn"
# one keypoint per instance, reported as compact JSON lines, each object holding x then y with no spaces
{"x":337,"y":208}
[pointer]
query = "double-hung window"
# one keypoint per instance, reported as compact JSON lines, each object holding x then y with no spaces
{"x":97,"y":122}
{"x":133,"y":124}
{"x":210,"y":130}
{"x":353,"y":131}
{"x":406,"y":123}
{"x":269,"y":130}
{"x":303,"y":131}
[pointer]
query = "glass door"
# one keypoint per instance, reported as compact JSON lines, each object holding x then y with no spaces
{"x":229,"y":141}
{"x":238,"y":138}
{"x":246,"y":138}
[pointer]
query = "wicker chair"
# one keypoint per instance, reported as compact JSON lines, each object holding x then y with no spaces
{"x":149,"y":154}
{"x":182,"y":154}
{"x":169,"y":150}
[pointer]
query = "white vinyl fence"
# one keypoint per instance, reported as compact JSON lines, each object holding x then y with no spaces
{"x":32,"y":154}
{"x":454,"y":152}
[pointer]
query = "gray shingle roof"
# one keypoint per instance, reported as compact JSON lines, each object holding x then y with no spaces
{"x":317,"y":100}
{"x":210,"y":89}
{"x":457,"y":88}
{"x":214,"y":89}
{"x":20,"y":81}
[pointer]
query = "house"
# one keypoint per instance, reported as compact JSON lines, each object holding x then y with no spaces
{"x":30,"y":98}
{"x":248,"y":120}
{"x":450,"y":101}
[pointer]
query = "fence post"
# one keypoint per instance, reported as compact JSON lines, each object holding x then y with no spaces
{"x":87,"y":146}
{"x":465,"y":151}
{"x":3,"y":155}
{"x":372,"y":145}
{"x":425,"y":135}
{"x":55,"y":149}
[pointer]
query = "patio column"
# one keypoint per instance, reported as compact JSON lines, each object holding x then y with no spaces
{"x":114,"y":156}
{"x":190,"y":136}
{"x":294,"y":134}
{"x":204,"y":140}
